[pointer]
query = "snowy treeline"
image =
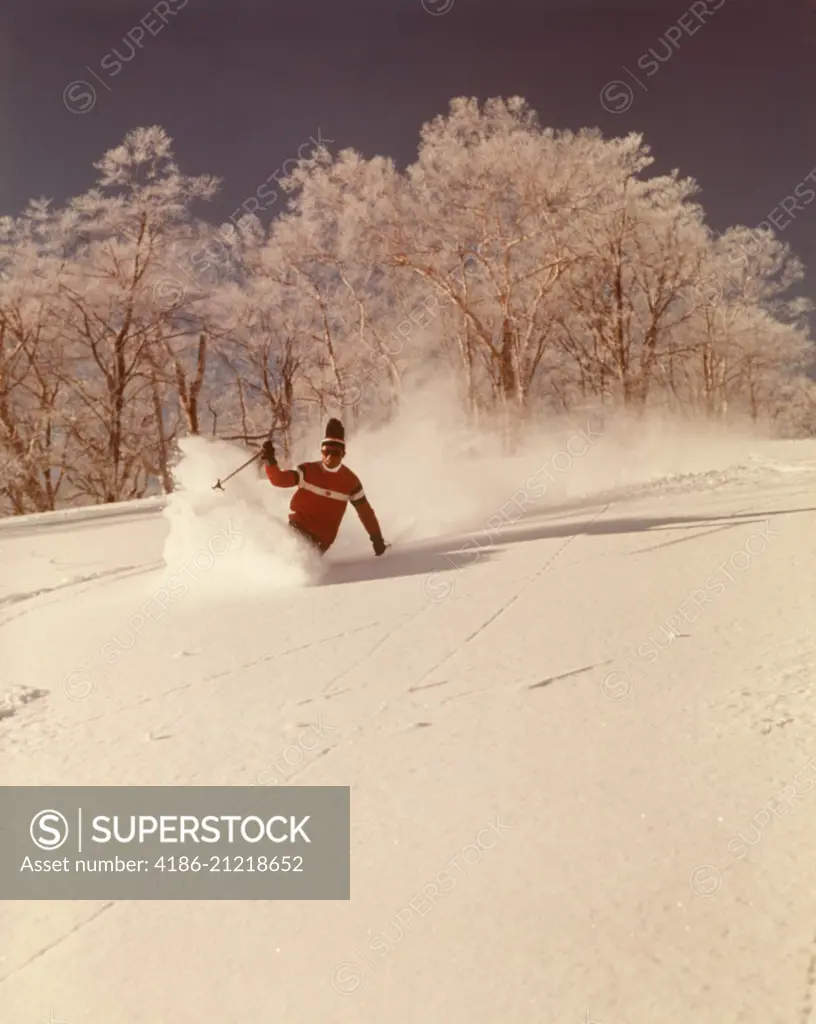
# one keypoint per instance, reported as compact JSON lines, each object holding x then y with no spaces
{"x":541,"y":271}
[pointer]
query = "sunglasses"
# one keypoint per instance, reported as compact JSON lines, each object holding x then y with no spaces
{"x":333,"y":449}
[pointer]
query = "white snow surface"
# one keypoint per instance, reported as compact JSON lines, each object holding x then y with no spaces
{"x":597,"y":720}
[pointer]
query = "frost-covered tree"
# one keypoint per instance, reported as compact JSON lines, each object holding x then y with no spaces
{"x":121,"y":310}
{"x":536,"y":269}
{"x":35,"y":407}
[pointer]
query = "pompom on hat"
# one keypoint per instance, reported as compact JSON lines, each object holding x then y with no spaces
{"x":335,"y":434}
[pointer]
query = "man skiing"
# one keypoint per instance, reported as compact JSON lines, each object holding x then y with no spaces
{"x":323,"y":490}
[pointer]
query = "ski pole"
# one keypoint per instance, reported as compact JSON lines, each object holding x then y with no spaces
{"x":218,"y":485}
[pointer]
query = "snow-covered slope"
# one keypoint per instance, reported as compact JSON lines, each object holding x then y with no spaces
{"x":581,"y":746}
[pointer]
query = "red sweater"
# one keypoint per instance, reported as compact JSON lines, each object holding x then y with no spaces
{"x":319,"y":503}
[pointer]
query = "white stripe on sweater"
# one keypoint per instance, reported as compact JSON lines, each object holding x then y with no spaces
{"x":322,"y":491}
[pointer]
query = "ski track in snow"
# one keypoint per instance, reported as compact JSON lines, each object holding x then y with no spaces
{"x":806,"y":1015}
{"x":96,"y":577}
{"x":107,"y":905}
{"x":634,"y":968}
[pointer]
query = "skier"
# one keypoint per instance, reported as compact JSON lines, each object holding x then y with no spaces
{"x":323,"y":489}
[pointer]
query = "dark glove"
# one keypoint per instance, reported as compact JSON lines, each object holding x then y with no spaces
{"x":268,"y":453}
{"x":379,"y":545}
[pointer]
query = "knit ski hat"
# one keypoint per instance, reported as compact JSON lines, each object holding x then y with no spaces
{"x":335,"y":433}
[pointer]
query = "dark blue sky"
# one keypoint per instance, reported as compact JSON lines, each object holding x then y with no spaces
{"x":240,"y":85}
